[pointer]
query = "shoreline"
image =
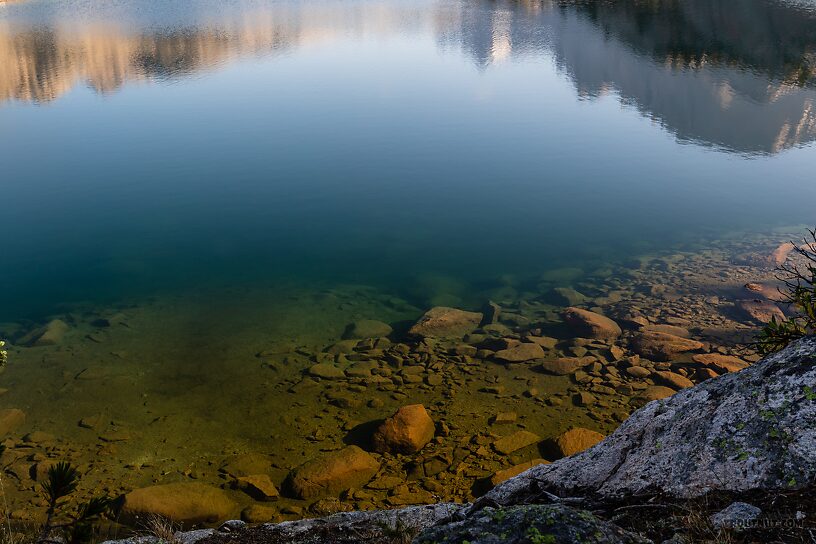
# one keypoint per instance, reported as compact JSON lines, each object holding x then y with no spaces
{"x":478,"y":390}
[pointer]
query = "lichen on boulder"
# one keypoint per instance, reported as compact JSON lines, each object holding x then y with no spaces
{"x":545,"y":524}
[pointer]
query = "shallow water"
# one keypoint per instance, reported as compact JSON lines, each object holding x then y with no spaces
{"x":238,"y":175}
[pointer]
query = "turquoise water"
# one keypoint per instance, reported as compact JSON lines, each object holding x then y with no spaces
{"x":162,"y":147}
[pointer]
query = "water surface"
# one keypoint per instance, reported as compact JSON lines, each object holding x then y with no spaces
{"x":222,"y":179}
{"x":171,"y":145}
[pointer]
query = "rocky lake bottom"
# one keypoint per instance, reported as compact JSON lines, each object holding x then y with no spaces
{"x":272,"y":401}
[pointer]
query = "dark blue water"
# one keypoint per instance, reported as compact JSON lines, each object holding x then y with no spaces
{"x":170,"y":146}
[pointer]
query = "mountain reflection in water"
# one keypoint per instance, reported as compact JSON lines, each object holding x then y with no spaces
{"x":736,"y":76}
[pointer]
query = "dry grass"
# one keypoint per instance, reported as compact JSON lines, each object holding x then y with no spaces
{"x":787,"y":517}
{"x":163,"y":529}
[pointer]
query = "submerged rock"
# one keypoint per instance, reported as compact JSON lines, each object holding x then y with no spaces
{"x":332,"y":472}
{"x":367,"y":328}
{"x":752,"y":430}
{"x":573,"y":441}
{"x":406,"y":432}
{"x":672,"y":379}
{"x":520,"y":353}
{"x":565,"y":365}
{"x":327,"y":371}
{"x":545,"y":524}
{"x":257,"y":513}
{"x":591,"y":325}
{"x":49,"y":335}
{"x":246,"y":465}
{"x":674,"y":330}
{"x":444,"y":322}
{"x":10,"y":420}
{"x":181,"y":503}
{"x":661,"y":346}
{"x":258,"y":486}
{"x":566,"y":296}
{"x":764,"y":290}
{"x":505,"y":474}
{"x":762,"y":311}
{"x":653,"y":392}
{"x":780,"y":254}
{"x":721,"y":363}
{"x":513,"y":442}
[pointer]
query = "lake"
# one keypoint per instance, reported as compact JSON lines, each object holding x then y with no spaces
{"x":206,"y":194}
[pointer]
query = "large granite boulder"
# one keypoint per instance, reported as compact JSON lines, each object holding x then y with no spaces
{"x":748,"y":430}
{"x":550,"y":524}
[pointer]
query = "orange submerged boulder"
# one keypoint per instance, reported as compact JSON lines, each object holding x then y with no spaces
{"x":189,"y":503}
{"x":332,"y":472}
{"x":591,"y":325}
{"x":407,"y":431}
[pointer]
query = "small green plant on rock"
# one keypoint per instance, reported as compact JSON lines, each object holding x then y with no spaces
{"x":537,"y":537}
{"x":799,"y":292}
{"x":64,"y":523}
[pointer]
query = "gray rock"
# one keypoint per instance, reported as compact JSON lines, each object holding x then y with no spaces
{"x":555,"y":524}
{"x":755,"y":429}
{"x":232,"y":525}
{"x":737,"y":515}
{"x":373,"y":527}
{"x":181,"y":537}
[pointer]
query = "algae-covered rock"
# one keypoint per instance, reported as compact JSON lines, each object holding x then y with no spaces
{"x":545,"y":524}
